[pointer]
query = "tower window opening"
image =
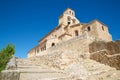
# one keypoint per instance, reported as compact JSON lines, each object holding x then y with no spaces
{"x":69,"y":20}
{"x":89,"y":29}
{"x":76,"y":33}
{"x":70,"y":12}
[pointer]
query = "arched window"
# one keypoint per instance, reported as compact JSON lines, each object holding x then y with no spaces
{"x":88,"y":28}
{"x":102,"y":28}
{"x":53,"y":44}
{"x":76,"y":33}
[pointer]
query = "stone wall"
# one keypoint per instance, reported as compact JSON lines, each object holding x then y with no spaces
{"x":64,"y":54}
{"x":106,"y":52}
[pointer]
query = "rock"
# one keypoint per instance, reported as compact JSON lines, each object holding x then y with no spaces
{"x":106,"y":53}
{"x":10,"y":75}
{"x":78,"y":71}
{"x":11,"y":64}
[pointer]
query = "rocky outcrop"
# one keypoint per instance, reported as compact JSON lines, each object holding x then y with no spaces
{"x":10,"y":73}
{"x":106,"y":52}
{"x":12,"y":64}
{"x":88,"y":69}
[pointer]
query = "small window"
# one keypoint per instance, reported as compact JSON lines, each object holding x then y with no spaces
{"x":76,"y":33}
{"x":102,"y":28}
{"x":53,"y":44}
{"x":44,"y":48}
{"x":72,"y":13}
{"x":41,"y":49}
{"x":89,"y":28}
{"x":37,"y":50}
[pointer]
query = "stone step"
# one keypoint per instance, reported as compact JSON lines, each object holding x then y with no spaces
{"x":41,"y":75}
{"x":24,"y":62}
{"x":98,"y":71}
{"x":94,"y":66}
{"x":111,"y":75}
{"x":29,"y":67}
{"x":101,"y":71}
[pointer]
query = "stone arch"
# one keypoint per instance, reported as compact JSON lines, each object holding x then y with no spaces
{"x":89,"y":28}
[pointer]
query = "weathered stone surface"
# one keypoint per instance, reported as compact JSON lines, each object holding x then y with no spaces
{"x":78,"y":71}
{"x":82,"y":69}
{"x":68,"y":61}
{"x":106,"y":52}
{"x":12,"y":63}
{"x":10,"y":75}
{"x":113,"y":47}
{"x":63,"y":54}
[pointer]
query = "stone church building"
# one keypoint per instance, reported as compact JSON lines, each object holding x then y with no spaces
{"x":69,"y":27}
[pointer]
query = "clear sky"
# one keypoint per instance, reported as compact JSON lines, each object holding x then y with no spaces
{"x":24,"y":22}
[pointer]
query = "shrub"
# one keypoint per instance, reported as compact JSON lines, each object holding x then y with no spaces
{"x":5,"y":55}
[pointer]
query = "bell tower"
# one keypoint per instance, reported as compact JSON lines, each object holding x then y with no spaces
{"x":68,"y":17}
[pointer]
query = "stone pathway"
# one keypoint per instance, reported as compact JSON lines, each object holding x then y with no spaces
{"x":96,"y":70}
{"x":101,"y":71}
{"x":29,"y":71}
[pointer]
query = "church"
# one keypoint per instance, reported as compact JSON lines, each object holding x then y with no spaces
{"x":69,"y":27}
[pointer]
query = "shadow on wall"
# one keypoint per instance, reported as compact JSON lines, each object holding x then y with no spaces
{"x":106,"y":53}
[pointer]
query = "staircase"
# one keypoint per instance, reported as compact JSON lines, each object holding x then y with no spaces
{"x":101,"y":71}
{"x":31,"y":71}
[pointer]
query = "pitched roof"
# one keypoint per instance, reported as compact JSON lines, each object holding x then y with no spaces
{"x":97,"y":21}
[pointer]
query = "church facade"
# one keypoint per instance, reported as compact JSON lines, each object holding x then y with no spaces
{"x":70,"y":27}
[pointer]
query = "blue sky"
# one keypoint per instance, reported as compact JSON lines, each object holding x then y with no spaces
{"x":24,"y":22}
